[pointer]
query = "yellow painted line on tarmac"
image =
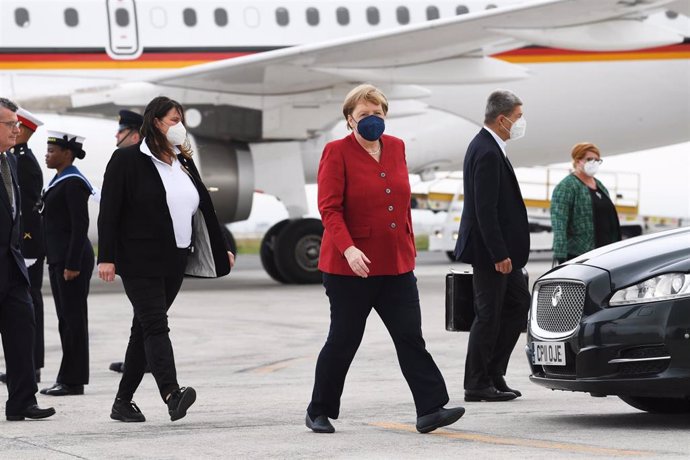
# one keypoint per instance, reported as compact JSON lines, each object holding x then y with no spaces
{"x":522,"y":442}
{"x":275,"y":366}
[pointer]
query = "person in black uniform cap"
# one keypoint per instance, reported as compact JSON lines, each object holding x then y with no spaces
{"x":127,"y":134}
{"x":30,"y":179}
{"x":70,"y":258}
{"x":16,"y":310}
{"x":128,"y":129}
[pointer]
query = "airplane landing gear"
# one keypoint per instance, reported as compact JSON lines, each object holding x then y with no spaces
{"x":290,"y":251}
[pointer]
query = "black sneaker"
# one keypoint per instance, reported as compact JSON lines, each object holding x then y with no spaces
{"x":126,"y":411}
{"x":179,"y":402}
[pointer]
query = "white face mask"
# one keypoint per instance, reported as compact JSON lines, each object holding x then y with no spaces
{"x":590,"y":168}
{"x":176,"y":134}
{"x":518,"y":128}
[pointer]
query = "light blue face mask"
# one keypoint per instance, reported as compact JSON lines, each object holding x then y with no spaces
{"x":371,"y":128}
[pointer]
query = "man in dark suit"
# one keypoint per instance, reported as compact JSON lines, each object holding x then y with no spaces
{"x":30,"y":186}
{"x":494,"y":238}
{"x":17,"y":321}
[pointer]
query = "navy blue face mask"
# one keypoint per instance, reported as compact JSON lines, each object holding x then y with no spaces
{"x":371,"y":128}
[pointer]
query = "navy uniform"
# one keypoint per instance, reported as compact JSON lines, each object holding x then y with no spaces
{"x":65,"y":226}
{"x":30,"y":185}
{"x":127,"y":134}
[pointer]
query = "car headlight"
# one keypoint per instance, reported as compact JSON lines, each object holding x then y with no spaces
{"x":662,"y":287}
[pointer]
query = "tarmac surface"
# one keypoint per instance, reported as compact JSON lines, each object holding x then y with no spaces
{"x":248,"y":345}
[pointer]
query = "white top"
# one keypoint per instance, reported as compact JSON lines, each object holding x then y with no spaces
{"x":180,"y":194}
{"x":501,"y":142}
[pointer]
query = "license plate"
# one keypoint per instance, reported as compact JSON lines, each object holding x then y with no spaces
{"x":549,"y":353}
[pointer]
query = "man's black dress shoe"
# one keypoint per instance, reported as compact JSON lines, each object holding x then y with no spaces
{"x":320,"y":424}
{"x":126,"y":411}
{"x":33,"y":412}
{"x":442,"y":417}
{"x":63,"y":389}
{"x":501,"y":385}
{"x":490,"y":394}
{"x":179,"y":402}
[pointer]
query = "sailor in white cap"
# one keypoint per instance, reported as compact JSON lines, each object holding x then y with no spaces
{"x":70,"y":258}
{"x":30,"y":181}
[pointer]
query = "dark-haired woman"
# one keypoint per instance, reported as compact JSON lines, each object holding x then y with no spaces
{"x":70,"y":258}
{"x":156,"y":224}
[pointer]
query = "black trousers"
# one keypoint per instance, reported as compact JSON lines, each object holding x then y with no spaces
{"x":36,"y":278}
{"x":17,"y":329}
{"x":501,"y":303}
{"x":396,"y":300}
{"x":71,"y":306}
{"x":149,"y":341}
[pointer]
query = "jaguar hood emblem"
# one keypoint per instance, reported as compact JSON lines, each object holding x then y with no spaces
{"x":556,"y":296}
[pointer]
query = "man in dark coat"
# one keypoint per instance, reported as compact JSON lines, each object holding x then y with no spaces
{"x":17,"y":321}
{"x":494,"y":238}
{"x":30,"y":185}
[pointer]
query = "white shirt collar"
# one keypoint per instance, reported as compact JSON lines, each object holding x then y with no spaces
{"x":501,"y":142}
{"x":144,"y":147}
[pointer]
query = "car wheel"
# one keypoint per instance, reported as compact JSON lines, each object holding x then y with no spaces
{"x":658,"y":405}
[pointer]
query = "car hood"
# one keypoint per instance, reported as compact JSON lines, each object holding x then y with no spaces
{"x":636,"y":259}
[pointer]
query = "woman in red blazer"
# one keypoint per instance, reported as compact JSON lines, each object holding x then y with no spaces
{"x":367,"y":257}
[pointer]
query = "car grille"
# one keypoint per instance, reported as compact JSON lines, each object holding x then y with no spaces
{"x":565,"y":315}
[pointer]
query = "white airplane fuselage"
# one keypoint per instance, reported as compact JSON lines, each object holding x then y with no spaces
{"x":53,"y":52}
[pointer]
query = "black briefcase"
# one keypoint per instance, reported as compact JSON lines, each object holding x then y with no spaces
{"x":459,"y":301}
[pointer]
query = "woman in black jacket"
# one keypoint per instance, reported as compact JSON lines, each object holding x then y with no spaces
{"x":156,"y":224}
{"x":70,"y":258}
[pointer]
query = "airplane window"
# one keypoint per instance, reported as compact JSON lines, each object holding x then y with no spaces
{"x":403,"y":15}
{"x":21,"y":17}
{"x":432,"y":13}
{"x":159,"y":18}
{"x":282,"y":16}
{"x":343,"y":16}
{"x":252,"y":18}
{"x":221,"y":17}
{"x":312,"y":16}
{"x":122,"y":17}
{"x":71,"y":17}
{"x":490,"y":6}
{"x":373,"y":16}
{"x":189,"y":17}
{"x":462,"y":9}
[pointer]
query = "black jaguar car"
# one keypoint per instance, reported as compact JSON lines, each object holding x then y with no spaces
{"x":616,"y":321}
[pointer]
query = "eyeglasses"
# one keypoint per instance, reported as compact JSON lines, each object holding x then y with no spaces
{"x":11,"y":124}
{"x":594,"y":160}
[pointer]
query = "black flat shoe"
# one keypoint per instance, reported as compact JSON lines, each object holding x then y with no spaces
{"x":490,"y":394}
{"x":179,"y":402}
{"x":320,"y":424}
{"x":117,"y":366}
{"x":126,"y":411}
{"x":442,"y":417}
{"x":63,"y":389}
{"x":501,"y":385}
{"x":32,"y":412}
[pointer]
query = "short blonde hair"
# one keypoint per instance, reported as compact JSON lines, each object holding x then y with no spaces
{"x":580,"y":150}
{"x":365,"y":92}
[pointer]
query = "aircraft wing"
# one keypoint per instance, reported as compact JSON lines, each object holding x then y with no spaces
{"x":445,"y":51}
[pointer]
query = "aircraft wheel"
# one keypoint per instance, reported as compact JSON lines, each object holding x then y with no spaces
{"x":266,"y":251}
{"x":297,"y":251}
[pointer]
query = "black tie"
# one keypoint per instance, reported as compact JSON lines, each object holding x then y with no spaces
{"x":6,"y":177}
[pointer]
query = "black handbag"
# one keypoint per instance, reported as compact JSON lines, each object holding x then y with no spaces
{"x":459,"y":301}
